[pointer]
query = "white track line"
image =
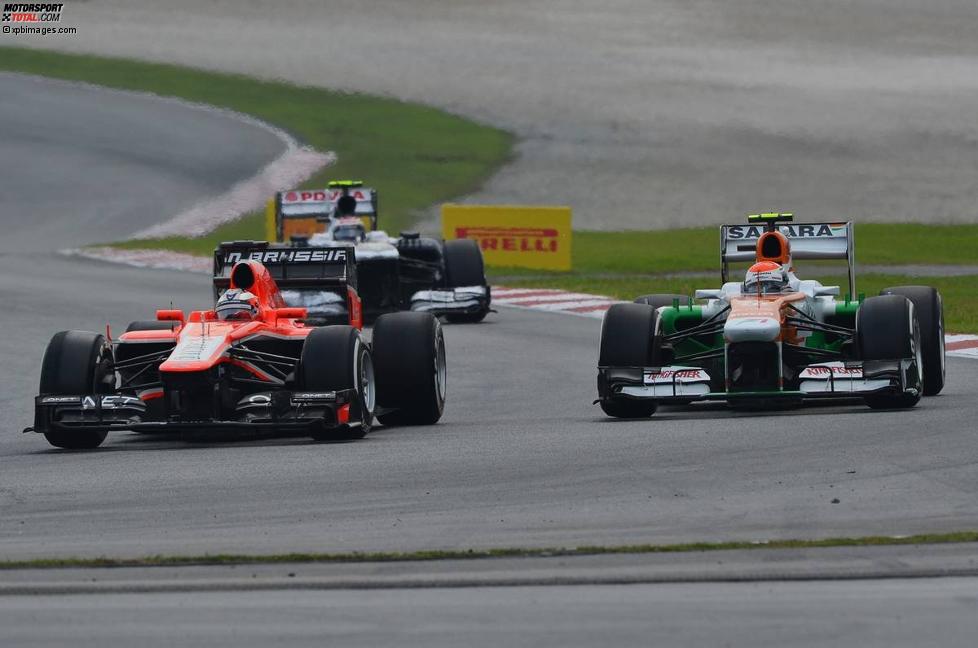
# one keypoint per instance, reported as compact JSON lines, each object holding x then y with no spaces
{"x":158,"y":259}
{"x":962,"y":346}
{"x":533,"y":300}
{"x":294,"y":166}
{"x":549,"y":299}
{"x":289,"y":170}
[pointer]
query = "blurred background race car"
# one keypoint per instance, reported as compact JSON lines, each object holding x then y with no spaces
{"x":406,"y":272}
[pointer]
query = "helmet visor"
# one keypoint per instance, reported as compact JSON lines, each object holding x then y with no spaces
{"x":235,"y":311}
{"x":764,"y":286}
{"x":349,"y":233}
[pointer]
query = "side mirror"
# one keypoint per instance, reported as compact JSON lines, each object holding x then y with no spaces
{"x":291,"y":313}
{"x":827,"y":291}
{"x":167,"y":315}
{"x":708,"y":294}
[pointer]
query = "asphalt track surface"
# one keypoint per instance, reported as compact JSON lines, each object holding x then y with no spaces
{"x":884,"y":614}
{"x":637,"y":113}
{"x":520,"y":459}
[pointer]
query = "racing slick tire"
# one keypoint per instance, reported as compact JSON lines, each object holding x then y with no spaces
{"x":887,"y":328}
{"x":627,"y":340}
{"x":409,"y":353}
{"x":337,"y":358}
{"x":658,"y":301}
{"x":464,"y":267}
{"x":930,"y":314}
{"x":76,"y":362}
{"x":150,"y":325}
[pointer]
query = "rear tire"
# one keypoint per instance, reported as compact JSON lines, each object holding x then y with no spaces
{"x":409,"y":352}
{"x":627,"y":340}
{"x":337,"y":358}
{"x":887,"y":329}
{"x":930,"y":315}
{"x":464,"y":267}
{"x":76,"y":363}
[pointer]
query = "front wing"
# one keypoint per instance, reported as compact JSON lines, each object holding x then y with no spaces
{"x":452,"y":301}
{"x":678,"y":384}
{"x":278,"y":411}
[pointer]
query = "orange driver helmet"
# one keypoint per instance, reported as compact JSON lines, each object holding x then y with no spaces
{"x":765,"y":277}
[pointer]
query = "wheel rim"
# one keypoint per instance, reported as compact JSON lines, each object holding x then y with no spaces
{"x":368,"y":388}
{"x":103,"y":381}
{"x":940,"y":334}
{"x":917,"y":351}
{"x":441,"y":367}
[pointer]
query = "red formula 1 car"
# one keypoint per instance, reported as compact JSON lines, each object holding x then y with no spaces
{"x":249,"y":364}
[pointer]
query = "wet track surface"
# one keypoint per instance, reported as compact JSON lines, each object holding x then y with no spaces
{"x":638,"y":113}
{"x":874,"y":614}
{"x":521,"y":458}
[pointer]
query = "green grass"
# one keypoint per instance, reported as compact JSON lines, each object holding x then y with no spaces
{"x":416,"y":156}
{"x":698,"y":249}
{"x":472,"y":554}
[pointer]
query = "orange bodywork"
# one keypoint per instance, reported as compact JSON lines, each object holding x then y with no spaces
{"x":774,"y":246}
{"x":301,"y":226}
{"x":202,"y":340}
{"x":773,"y":252}
{"x":767,"y":306}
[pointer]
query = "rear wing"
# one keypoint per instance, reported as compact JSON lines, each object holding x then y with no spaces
{"x":304,"y":212}
{"x":809,"y":241}
{"x":326,"y":268}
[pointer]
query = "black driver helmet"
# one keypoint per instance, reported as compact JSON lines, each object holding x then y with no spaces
{"x":346,"y":206}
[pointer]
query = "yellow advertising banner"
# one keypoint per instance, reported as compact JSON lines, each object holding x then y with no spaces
{"x":513,"y":235}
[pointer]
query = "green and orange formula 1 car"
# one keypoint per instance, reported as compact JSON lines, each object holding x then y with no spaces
{"x":251,"y":364}
{"x":773,"y":339}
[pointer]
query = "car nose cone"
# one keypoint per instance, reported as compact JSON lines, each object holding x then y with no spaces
{"x":752,"y":329}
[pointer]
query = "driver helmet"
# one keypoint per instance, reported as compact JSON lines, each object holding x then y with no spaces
{"x":349,"y":229}
{"x":346,"y":206}
{"x":237,"y":304}
{"x":765,"y":277}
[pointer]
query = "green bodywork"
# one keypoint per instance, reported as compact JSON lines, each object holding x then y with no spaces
{"x":676,"y":319}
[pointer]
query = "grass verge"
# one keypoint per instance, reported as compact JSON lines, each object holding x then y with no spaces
{"x":473,"y":554}
{"x":697,"y":249}
{"x":416,"y":156}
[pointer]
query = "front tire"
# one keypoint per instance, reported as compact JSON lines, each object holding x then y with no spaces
{"x":930,"y":314}
{"x":627,"y":340}
{"x":628,"y":409}
{"x":409,"y":352}
{"x":464,"y":267}
{"x":336,"y":358}
{"x":887,"y":329}
{"x":76,"y":363}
